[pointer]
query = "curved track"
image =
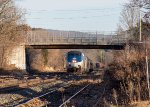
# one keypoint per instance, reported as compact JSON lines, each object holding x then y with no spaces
{"x":74,"y":95}
{"x":70,"y":90}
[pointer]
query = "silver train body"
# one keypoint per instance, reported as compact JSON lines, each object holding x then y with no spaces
{"x":76,"y":61}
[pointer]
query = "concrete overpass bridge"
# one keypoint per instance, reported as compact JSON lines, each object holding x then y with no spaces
{"x":72,"y":40}
{"x":62,"y":40}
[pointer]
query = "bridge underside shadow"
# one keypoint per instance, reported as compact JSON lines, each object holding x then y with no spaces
{"x":66,"y":46}
{"x":76,"y":46}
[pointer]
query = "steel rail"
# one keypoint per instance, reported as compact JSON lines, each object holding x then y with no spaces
{"x":36,"y":97}
{"x":74,"y":95}
{"x":101,"y":95}
{"x":27,"y":99}
{"x":55,"y":89}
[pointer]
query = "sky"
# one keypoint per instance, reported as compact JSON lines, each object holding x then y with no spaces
{"x":75,"y":15}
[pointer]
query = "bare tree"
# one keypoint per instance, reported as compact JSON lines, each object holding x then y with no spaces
{"x":9,"y":20}
{"x":132,"y":18}
{"x":129,"y":18}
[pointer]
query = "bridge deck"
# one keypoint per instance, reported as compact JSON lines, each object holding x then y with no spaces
{"x":72,"y":40}
{"x":76,"y":46}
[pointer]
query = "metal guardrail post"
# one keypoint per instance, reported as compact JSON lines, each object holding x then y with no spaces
{"x":96,"y":39}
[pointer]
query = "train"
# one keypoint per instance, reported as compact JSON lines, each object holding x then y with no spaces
{"x":76,"y":61}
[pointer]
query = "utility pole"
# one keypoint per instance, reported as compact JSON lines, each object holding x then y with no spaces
{"x":146,"y":57}
{"x":140,"y":39}
{"x":147,"y":73}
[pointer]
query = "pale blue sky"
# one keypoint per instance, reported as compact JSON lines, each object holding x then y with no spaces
{"x":78,"y":15}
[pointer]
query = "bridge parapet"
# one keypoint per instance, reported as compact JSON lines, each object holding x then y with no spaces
{"x":45,"y":37}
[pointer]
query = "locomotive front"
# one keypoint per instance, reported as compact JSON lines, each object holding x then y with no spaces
{"x":74,"y":61}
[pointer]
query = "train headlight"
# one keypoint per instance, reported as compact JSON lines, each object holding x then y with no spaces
{"x":74,"y":61}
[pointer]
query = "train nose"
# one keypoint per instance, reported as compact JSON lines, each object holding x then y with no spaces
{"x":76,"y":65}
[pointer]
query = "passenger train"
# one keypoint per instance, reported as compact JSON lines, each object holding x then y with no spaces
{"x":76,"y":61}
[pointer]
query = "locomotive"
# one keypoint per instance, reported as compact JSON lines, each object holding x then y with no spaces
{"x":76,"y":61}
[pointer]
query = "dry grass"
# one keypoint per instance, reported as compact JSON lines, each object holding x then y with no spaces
{"x":84,"y":81}
{"x":34,"y":103}
{"x":140,"y":104}
{"x":127,"y":75}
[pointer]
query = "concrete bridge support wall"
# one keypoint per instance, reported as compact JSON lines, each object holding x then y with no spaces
{"x":16,"y":58}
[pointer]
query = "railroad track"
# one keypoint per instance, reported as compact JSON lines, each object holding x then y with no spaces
{"x":64,"y":103}
{"x":87,"y":96}
{"x":98,"y":102}
{"x":8,"y":82}
{"x":60,"y":96}
{"x":43,"y":98}
{"x":24,"y":88}
{"x":31,"y":101}
{"x":27,"y":80}
{"x":23,"y":84}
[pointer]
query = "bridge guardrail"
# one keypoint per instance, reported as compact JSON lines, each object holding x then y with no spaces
{"x":47,"y":37}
